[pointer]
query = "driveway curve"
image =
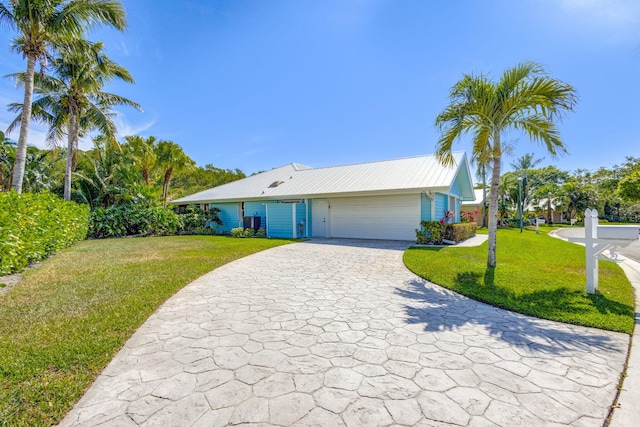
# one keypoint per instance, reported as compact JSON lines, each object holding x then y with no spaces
{"x":337,"y":332}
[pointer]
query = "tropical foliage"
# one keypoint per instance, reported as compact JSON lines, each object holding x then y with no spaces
{"x":568,"y":194}
{"x":42,"y":27}
{"x":71,"y":101}
{"x":33,"y":226}
{"x":524,"y":99}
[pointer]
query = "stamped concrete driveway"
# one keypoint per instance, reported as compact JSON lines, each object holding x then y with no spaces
{"x":333,"y":333}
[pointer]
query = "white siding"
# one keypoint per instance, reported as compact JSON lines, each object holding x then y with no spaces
{"x":382,"y":217}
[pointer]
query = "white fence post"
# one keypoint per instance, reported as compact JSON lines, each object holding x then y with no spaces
{"x":591,"y":234}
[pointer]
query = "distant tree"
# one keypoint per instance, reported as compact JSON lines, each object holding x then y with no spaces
{"x":171,"y":158}
{"x":546,"y":185}
{"x":141,"y":152}
{"x":629,"y":187}
{"x":524,"y":99}
{"x":41,"y":25}
{"x":578,"y":197}
{"x":203,"y":178}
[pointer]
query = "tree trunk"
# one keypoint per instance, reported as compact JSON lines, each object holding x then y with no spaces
{"x":484,"y":195}
{"x":493,"y":202}
{"x":69,"y":165}
{"x":165,"y":185}
{"x":21,"y":149}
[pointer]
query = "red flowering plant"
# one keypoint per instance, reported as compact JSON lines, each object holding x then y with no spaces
{"x":448,"y":216}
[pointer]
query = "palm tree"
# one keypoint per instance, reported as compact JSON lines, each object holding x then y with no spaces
{"x":41,"y":25}
{"x":171,"y":158}
{"x":142,"y":153}
{"x":72,"y":101}
{"x":525,"y":99}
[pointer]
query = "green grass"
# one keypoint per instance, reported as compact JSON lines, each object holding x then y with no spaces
{"x":536,"y":275}
{"x":67,"y":319}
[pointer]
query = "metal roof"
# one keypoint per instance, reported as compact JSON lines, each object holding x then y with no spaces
{"x":478,"y":198}
{"x":297,"y":181}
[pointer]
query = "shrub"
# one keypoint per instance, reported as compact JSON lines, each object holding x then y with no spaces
{"x":434,"y":232}
{"x":249,"y":232}
{"x":468,"y":216}
{"x":430,"y":233}
{"x":35,"y":225}
{"x":198,"y":221}
{"x":261,"y":232}
{"x":460,"y":231}
{"x":133,"y":219}
{"x":237,"y":232}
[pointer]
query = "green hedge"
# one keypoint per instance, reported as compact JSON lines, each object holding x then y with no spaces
{"x":35,"y":225}
{"x":460,"y":231}
{"x":434,"y":232}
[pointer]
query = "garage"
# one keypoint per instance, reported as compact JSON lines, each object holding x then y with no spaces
{"x":383,"y":217}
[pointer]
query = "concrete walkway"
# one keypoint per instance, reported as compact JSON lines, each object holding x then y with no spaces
{"x":331,"y":333}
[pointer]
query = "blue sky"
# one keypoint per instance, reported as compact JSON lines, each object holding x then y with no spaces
{"x":255,"y":84}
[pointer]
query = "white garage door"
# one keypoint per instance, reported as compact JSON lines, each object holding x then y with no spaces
{"x":383,"y":217}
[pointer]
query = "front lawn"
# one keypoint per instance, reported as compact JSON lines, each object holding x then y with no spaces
{"x":536,"y":275}
{"x":66,"y":320}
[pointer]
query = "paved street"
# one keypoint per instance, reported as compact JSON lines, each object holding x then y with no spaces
{"x":632,"y":251}
{"x":333,"y":333}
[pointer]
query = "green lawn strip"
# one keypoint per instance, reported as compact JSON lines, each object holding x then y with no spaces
{"x":536,"y":275}
{"x":69,"y":317}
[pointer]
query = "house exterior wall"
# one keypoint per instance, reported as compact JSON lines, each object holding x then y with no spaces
{"x":279,"y":220}
{"x":442,"y":204}
{"x":229,"y":216}
{"x":425,"y":208}
{"x":474,"y":209}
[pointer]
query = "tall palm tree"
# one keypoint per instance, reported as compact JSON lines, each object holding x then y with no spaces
{"x":41,"y":25}
{"x":72,"y":100}
{"x":171,"y":158}
{"x":525,"y":99}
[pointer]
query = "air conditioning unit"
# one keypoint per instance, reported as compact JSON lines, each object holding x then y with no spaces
{"x":252,"y":222}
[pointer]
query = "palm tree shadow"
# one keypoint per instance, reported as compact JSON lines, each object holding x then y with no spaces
{"x":440,"y":309}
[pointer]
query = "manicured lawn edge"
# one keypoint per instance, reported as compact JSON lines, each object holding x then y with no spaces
{"x":536,"y":275}
{"x":67,"y":319}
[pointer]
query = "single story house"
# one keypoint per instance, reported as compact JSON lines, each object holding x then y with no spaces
{"x":475,"y":206}
{"x":375,"y":200}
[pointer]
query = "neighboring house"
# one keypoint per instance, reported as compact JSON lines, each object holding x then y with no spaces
{"x":376,"y":200}
{"x":542,"y":209}
{"x":475,"y":206}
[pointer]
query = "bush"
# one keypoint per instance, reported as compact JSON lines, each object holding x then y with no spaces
{"x":133,"y":219}
{"x":434,"y":232}
{"x":460,"y":231}
{"x":198,"y":221}
{"x":248,"y":232}
{"x":237,"y":232}
{"x":431,"y":233}
{"x":35,"y":225}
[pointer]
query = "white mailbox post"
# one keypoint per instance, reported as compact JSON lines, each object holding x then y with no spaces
{"x":598,"y":238}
